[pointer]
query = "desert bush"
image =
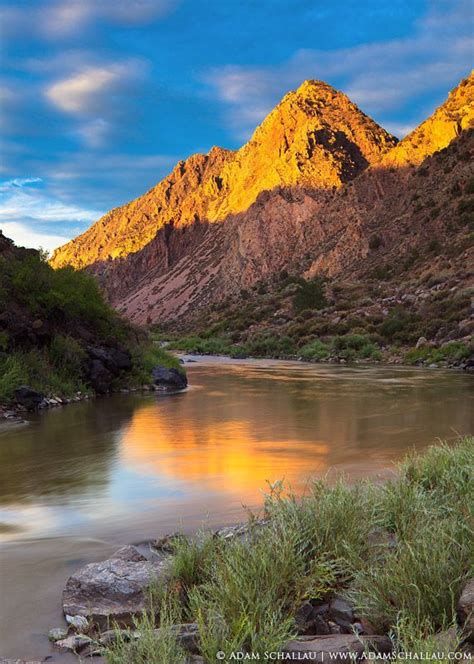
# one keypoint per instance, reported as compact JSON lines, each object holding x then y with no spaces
{"x":310,"y":295}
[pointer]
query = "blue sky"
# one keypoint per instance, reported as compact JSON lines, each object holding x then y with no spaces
{"x":100,"y":98}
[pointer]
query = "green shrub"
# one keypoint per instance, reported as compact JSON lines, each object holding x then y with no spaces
{"x":421,"y":578}
{"x":310,"y":295}
{"x":153,"y":646}
{"x":13,"y":373}
{"x":400,"y":325}
{"x":316,"y":350}
{"x":67,"y":355}
{"x":453,"y":351}
{"x":255,"y":587}
{"x":355,"y":346}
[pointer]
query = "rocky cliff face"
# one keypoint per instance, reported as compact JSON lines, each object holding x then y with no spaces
{"x":319,"y":189}
{"x":447,"y":123}
{"x":315,"y":137}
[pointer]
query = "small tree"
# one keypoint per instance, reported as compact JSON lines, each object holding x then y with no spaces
{"x":310,"y":295}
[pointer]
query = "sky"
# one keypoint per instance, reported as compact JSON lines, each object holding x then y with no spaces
{"x":100,"y":98}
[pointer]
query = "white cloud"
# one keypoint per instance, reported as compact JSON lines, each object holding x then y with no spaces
{"x":28,"y":214}
{"x":97,"y":96}
{"x":61,"y":19}
{"x":8,"y":185}
{"x":24,"y":236}
{"x":82,"y":92}
{"x":379,"y":76}
{"x":18,"y":201}
{"x":94,"y":133}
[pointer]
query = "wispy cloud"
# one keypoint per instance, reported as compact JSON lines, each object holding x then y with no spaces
{"x":83,"y":91}
{"x":24,"y":236}
{"x":29,"y":214}
{"x":380,"y":76}
{"x":19,"y":200}
{"x":61,"y":19}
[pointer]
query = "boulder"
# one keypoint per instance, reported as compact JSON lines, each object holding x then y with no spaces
{"x":115,"y":589}
{"x":422,"y":342}
{"x":27,"y":397}
{"x":105,"y":364}
{"x":465,"y":609}
{"x":341,"y":612}
{"x":100,"y":377}
{"x":327,"y":648}
{"x":169,"y":379}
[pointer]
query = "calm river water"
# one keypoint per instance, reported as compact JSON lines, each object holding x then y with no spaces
{"x":76,"y":482}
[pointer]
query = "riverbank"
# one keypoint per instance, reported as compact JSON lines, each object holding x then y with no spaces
{"x":60,"y":342}
{"x":384,"y":567}
{"x":347,"y":349}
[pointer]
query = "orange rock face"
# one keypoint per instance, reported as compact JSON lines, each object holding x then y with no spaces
{"x":437,"y":132}
{"x":315,"y":137}
{"x":315,"y":183}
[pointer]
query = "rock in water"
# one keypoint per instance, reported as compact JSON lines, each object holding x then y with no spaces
{"x":57,"y":633}
{"x":27,"y":397}
{"x":113,"y":590}
{"x":169,"y":379}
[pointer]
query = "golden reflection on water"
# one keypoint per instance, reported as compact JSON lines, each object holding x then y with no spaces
{"x":226,"y":456}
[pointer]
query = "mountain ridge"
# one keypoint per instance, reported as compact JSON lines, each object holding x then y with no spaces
{"x":186,"y":267}
{"x":314,"y":137}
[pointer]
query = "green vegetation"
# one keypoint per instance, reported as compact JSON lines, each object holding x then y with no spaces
{"x":310,"y":295}
{"x":265,"y":344}
{"x":453,"y":350}
{"x":43,"y":370}
{"x":154,"y":646}
{"x":51,"y":319}
{"x":145,"y":356}
{"x":358,"y":322}
{"x":63,"y":296}
{"x":400,"y":552}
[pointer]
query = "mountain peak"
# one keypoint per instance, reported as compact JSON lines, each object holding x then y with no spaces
{"x":315,"y":137}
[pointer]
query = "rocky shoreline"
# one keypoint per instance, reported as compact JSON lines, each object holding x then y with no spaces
{"x":27,"y":400}
{"x":115,"y":591}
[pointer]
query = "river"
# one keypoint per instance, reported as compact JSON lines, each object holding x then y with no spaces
{"x":77,"y":482}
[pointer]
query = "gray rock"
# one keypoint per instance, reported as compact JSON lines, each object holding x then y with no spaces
{"x":115,"y":589}
{"x":340,"y":611}
{"x":79,"y":623}
{"x":422,"y":341}
{"x":169,"y":379}
{"x":75,"y":643}
{"x":327,"y":648}
{"x":57,"y":633}
{"x":465,"y":609}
